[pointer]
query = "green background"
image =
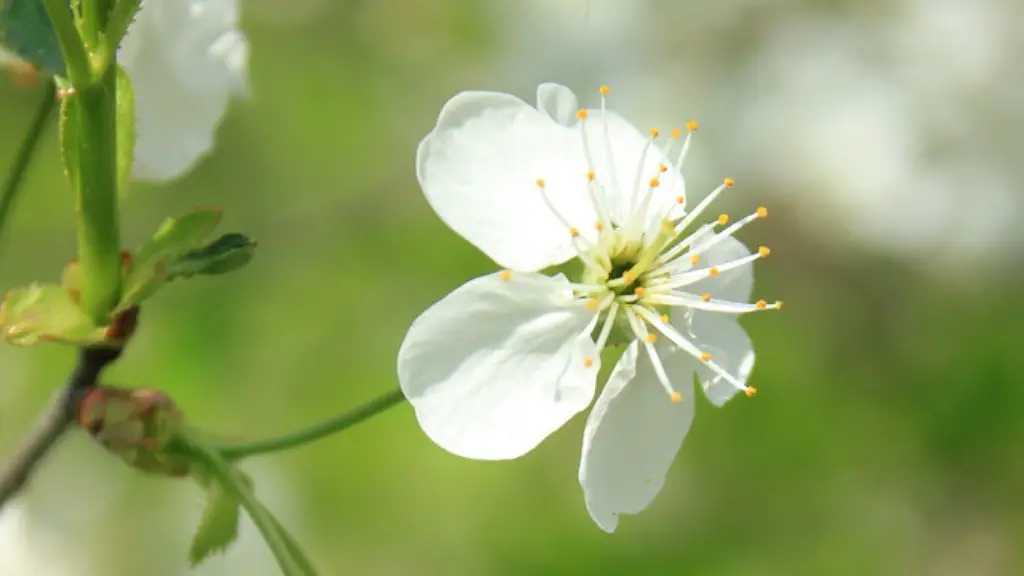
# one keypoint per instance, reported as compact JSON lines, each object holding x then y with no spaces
{"x":886,"y":438}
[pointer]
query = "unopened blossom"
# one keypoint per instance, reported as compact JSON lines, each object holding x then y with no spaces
{"x":506,"y":359}
{"x":186,"y":59}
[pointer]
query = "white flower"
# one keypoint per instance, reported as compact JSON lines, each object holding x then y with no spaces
{"x":508,"y":358}
{"x":185,"y":58}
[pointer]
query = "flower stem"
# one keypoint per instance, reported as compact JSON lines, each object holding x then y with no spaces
{"x":12,"y":185}
{"x":315,"y":432}
{"x":99,"y":243}
{"x":222,"y":472}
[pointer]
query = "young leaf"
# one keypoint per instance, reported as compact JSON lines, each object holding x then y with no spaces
{"x":219,"y":525}
{"x":175,"y":237}
{"x":45,"y":313}
{"x":27,"y":32}
{"x":225,"y":254}
{"x":125,"y":102}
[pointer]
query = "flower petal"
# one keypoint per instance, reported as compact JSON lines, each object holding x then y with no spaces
{"x":733,"y":285}
{"x":185,"y":60}
{"x":479,"y":169}
{"x":558,"y":102}
{"x":722,"y":336}
{"x":498,"y":365}
{"x":632,"y":436}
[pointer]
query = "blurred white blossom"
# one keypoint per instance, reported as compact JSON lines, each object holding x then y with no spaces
{"x":186,"y":59}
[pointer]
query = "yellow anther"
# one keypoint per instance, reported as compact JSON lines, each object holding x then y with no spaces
{"x":729,"y":182}
{"x":723,"y":219}
{"x":680,"y":199}
{"x":662,"y":168}
{"x":704,"y":357}
{"x":592,"y":304}
{"x":706,"y":297}
{"x":763,"y":251}
{"x":604,"y":90}
{"x":664,"y":318}
{"x":599,"y":225}
{"x":540,"y":182}
{"x":713,"y":271}
{"x":676,"y":133}
{"x":695,"y":259}
{"x":778,"y":304}
{"x":591,"y":176}
{"x":588,"y":362}
{"x":655,"y":133}
{"x":505,"y":275}
{"x":750,"y":391}
{"x":762,"y":212}
{"x":574,"y":232}
{"x":676,"y":397}
{"x":651,"y":338}
{"x":761,"y":304}
{"x":655,"y":182}
{"x":581,"y":114}
{"x":628,"y":277}
{"x":692,"y":125}
{"x":640,"y":292}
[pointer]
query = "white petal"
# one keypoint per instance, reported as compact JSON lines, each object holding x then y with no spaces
{"x":633,"y":434}
{"x":626,"y":145}
{"x":479,"y":169}
{"x":733,"y":285}
{"x":558,"y":102}
{"x":722,"y":336}
{"x":498,"y":365}
{"x":185,"y":59}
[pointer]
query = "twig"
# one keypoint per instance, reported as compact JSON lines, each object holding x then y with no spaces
{"x":53,"y":422}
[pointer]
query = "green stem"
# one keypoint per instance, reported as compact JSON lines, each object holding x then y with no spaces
{"x":12,"y":185}
{"x":99,"y":242}
{"x":315,"y":432}
{"x":76,"y":59}
{"x":121,"y":17}
{"x":223,"y":473}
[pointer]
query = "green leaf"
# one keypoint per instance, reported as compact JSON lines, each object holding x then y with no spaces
{"x":175,"y":237}
{"x":45,"y":313}
{"x":125,"y":131}
{"x":225,"y":254}
{"x":219,"y":525}
{"x":28,"y":33}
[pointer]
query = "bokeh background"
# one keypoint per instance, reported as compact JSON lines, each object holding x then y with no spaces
{"x":884,"y":135}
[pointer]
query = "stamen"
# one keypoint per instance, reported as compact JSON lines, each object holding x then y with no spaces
{"x":695,"y":213}
{"x":704,"y":302}
{"x":597,"y":197}
{"x":606,"y":329}
{"x":659,"y":368}
{"x":592,"y":304}
{"x":691,"y":127}
{"x":692,"y":276}
{"x":583,"y":247}
{"x":505,"y":275}
{"x":588,"y":362}
{"x":750,"y":391}
{"x":728,"y":232}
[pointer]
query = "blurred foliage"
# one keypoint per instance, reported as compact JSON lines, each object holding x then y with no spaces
{"x":885,"y":439}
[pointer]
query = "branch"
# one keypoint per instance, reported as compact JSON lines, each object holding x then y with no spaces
{"x":53,"y":422}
